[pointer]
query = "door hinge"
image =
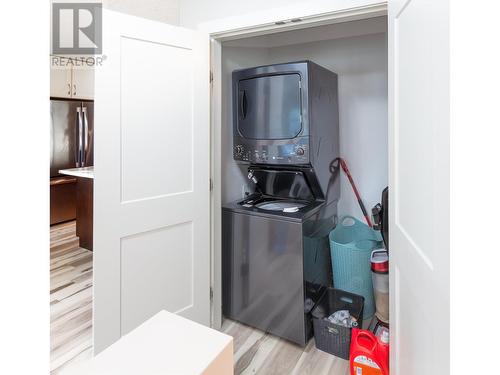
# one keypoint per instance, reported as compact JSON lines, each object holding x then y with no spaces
{"x":211,"y":184}
{"x":211,"y":76}
{"x":211,"y":294}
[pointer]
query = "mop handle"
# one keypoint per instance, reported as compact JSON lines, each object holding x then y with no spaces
{"x":356,"y":192}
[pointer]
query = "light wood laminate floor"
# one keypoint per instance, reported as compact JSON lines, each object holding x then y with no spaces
{"x":256,"y":352}
{"x":70,"y":298}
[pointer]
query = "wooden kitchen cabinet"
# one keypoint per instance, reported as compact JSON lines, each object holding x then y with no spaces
{"x":85,"y":212}
{"x":62,"y":199}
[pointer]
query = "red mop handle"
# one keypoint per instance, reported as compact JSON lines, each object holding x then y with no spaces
{"x":356,"y":192}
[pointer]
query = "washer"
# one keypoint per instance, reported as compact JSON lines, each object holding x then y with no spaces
{"x":276,"y":258}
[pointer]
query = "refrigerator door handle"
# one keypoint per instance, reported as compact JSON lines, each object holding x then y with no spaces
{"x":85,"y":137}
{"x":52,"y":146}
{"x":79,"y":131}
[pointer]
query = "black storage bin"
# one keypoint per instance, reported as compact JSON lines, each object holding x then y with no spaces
{"x":333,"y":338}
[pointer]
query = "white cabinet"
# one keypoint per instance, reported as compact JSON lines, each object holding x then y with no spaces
{"x":60,"y":78}
{"x":82,"y":82}
{"x":69,"y":80}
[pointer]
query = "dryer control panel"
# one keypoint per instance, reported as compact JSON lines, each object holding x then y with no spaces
{"x":288,"y":153}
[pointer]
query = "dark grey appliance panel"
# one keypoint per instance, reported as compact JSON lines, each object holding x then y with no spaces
{"x":269,"y":107}
{"x":263,"y":274}
{"x":324,"y":131}
{"x":63,"y":135}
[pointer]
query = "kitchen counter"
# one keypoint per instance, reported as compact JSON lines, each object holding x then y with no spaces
{"x":85,"y":172}
{"x":84,"y":204}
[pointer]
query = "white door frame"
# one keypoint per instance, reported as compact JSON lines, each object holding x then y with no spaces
{"x":335,"y":15}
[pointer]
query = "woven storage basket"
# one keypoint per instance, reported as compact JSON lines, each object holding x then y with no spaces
{"x":330,"y":337}
{"x":351,"y":243}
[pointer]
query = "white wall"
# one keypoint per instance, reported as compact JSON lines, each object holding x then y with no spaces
{"x":194,"y":12}
{"x":166,"y":11}
{"x":240,"y":13}
{"x":361,"y":63}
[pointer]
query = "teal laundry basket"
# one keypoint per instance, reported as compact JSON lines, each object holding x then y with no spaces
{"x":351,"y":244}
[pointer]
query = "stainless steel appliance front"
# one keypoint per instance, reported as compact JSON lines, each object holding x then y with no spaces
{"x":262,"y":278}
{"x":276,"y":258}
{"x":71,"y":135}
{"x":71,"y":145}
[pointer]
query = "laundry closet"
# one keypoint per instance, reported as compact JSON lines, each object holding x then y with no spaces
{"x":258,"y":287}
{"x":393,"y":131}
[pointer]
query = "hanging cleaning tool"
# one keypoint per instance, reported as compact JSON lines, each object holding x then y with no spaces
{"x":344,"y":167}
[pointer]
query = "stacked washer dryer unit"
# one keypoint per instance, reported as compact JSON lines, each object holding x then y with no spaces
{"x":276,"y":259}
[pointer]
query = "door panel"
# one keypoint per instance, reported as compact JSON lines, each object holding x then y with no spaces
{"x":419,"y":180}
{"x":151,"y":176}
{"x":144,"y":259}
{"x":148,"y":118}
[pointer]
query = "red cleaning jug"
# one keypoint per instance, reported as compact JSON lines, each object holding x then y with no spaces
{"x":369,"y":354}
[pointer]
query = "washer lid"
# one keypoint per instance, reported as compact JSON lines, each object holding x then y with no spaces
{"x":281,"y":205}
{"x":286,"y":184}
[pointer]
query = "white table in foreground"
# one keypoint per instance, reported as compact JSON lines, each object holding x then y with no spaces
{"x":165,"y":344}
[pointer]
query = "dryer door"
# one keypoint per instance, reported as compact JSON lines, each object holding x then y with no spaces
{"x":269,"y":107}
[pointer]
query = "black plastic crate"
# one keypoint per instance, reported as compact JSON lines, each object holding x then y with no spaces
{"x":333,"y":338}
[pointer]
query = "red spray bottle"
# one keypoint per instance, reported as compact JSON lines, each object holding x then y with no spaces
{"x":369,"y":354}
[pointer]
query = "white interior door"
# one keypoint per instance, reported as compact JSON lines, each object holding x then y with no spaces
{"x":419,"y":183}
{"x":151,"y":207}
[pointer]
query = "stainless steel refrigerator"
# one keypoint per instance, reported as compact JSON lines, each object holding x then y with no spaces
{"x":71,"y":146}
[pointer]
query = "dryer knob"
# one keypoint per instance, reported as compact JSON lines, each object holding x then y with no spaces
{"x":300,"y":151}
